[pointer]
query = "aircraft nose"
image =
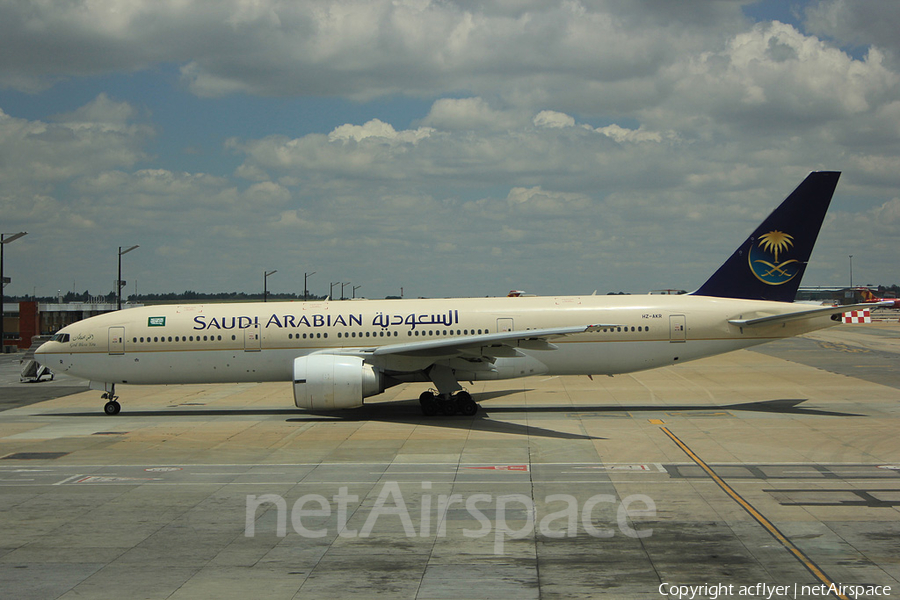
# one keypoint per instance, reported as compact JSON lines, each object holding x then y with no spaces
{"x":50,"y":345}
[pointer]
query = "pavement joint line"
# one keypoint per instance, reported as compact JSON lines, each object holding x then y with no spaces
{"x":801,"y":556}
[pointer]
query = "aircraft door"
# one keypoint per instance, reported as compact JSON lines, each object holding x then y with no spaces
{"x":504,"y":325}
{"x":677,"y":328}
{"x":252,"y":338}
{"x":117,"y":340}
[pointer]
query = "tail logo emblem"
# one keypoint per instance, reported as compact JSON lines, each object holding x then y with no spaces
{"x":767,"y":260}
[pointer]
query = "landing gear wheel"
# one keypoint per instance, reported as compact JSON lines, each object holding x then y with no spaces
{"x":112,"y":407}
{"x":429,"y":404}
{"x":466,"y":405}
{"x":449,"y":406}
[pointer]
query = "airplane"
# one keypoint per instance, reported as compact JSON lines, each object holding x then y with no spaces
{"x":337,"y":354}
{"x":870,"y":298}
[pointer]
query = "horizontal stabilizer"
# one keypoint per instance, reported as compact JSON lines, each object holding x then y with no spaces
{"x":803,"y":314}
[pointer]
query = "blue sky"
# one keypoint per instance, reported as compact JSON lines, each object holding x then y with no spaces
{"x":556,"y":147}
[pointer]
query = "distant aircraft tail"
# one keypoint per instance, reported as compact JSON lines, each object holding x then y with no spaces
{"x":867,"y":295}
{"x":770,"y":263}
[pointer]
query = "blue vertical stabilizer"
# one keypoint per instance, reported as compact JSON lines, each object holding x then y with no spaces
{"x":770,"y":263}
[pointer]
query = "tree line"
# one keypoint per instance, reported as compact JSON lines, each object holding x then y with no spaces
{"x":187,"y":295}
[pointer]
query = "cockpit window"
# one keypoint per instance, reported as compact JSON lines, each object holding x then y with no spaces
{"x":60,"y":337}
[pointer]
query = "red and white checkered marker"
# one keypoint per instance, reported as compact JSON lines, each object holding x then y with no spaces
{"x":858,"y":316}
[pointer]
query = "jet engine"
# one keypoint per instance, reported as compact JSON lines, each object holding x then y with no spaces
{"x":331,"y":381}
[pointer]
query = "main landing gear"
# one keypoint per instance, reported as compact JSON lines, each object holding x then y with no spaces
{"x":448,"y":404}
{"x":450,"y":397}
{"x":112,"y":407}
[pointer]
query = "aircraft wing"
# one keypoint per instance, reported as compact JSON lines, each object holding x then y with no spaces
{"x":803,"y":314}
{"x":532,"y":338}
{"x":491,"y":344}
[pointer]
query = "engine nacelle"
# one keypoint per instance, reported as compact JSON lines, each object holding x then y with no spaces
{"x":331,"y":381}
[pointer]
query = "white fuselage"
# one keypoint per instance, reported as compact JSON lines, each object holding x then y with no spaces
{"x":259,"y":341}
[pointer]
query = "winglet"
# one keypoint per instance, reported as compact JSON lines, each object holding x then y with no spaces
{"x":770,"y":263}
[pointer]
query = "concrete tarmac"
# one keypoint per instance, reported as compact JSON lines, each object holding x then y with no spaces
{"x":773,"y":467}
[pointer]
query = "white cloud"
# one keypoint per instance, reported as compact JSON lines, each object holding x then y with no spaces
{"x":100,"y":135}
{"x":552,"y":204}
{"x":551,"y":118}
{"x":857,"y":22}
{"x":464,"y":114}
{"x":622,"y":134}
{"x":774,"y":78}
{"x":358,"y":48}
{"x":378,"y":131}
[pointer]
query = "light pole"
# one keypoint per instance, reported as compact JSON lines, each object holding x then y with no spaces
{"x":343,"y":283}
{"x":266,"y":284}
{"x":355,"y":287}
{"x":305,"y":290}
{"x":851,"y":271}
{"x":119,"y":282}
{"x":3,"y":279}
{"x":331,"y":290}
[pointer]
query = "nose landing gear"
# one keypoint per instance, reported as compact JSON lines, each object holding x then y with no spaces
{"x":112,"y":407}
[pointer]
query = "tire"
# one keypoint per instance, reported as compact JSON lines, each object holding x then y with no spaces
{"x":429,"y":404}
{"x":468,"y":407}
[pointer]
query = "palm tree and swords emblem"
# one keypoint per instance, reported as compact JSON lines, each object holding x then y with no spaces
{"x":765,"y":258}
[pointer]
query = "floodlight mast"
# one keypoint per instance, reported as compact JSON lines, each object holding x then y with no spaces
{"x":305,"y":290}
{"x":266,"y":284}
{"x":119,"y":282}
